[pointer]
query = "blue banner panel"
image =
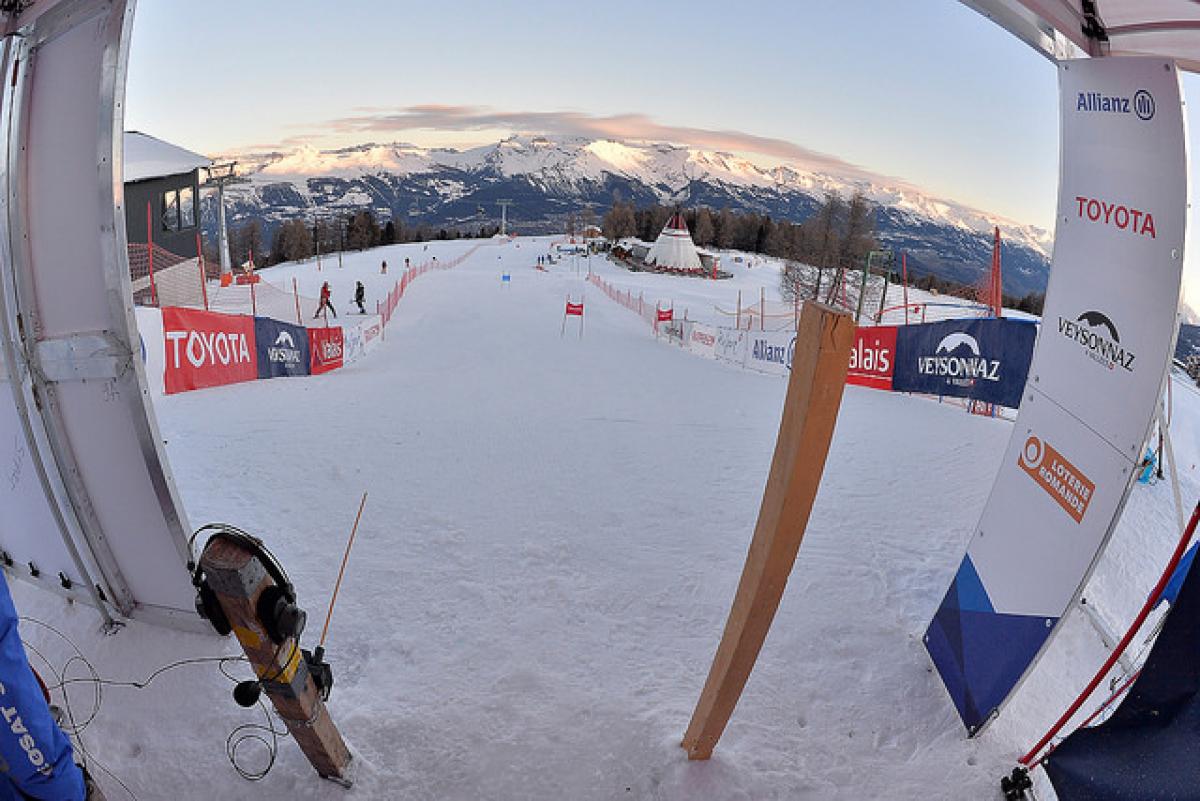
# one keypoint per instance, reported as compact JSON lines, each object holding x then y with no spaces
{"x":982,"y":359}
{"x":1149,"y":747}
{"x":979,"y":652}
{"x":282,"y":348}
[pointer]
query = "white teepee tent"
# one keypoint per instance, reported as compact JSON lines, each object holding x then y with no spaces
{"x":674,"y":247}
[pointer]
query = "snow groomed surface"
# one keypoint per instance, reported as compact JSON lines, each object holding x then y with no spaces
{"x":554,"y":533}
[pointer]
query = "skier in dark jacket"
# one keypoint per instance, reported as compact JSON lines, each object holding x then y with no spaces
{"x":360,"y":297}
{"x":325,"y":303}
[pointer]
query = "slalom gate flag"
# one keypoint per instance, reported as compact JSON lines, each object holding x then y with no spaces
{"x":326,"y":347}
{"x":575,"y":309}
{"x":873,"y":359}
{"x":1094,"y":382}
{"x":666,"y":315}
{"x":206,"y":349}
{"x":282,"y":348}
{"x":982,"y":359}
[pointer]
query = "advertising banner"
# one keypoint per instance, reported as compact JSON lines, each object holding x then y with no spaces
{"x":873,"y":359}
{"x":353,"y":345}
{"x":731,"y":345}
{"x":206,"y":349}
{"x":282,"y":348}
{"x":770,"y":351}
{"x":372,"y":333}
{"x":1094,"y":381}
{"x":326,"y":348}
{"x":703,"y":341}
{"x":983,"y":359}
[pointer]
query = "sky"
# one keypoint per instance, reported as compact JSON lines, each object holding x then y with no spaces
{"x":925,"y":91}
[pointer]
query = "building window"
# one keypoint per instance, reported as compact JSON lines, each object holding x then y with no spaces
{"x":179,"y":209}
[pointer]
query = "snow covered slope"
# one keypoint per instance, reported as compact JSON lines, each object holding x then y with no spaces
{"x":553,"y":536}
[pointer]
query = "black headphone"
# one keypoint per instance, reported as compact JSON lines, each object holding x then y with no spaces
{"x":276,"y":607}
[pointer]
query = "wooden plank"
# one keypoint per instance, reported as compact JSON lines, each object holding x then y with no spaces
{"x":819,"y":364}
{"x":238,"y":579}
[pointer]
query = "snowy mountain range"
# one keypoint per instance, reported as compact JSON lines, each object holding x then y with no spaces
{"x":547,"y":179}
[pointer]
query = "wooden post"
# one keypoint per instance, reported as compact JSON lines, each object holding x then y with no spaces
{"x":296,"y":295}
{"x":810,"y":411}
{"x":238,"y":579}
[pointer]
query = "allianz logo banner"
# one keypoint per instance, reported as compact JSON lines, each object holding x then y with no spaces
{"x":986,"y":360}
{"x":282,"y":348}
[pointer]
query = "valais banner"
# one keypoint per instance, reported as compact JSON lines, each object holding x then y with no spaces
{"x":327,"y":349}
{"x":1094,"y":382}
{"x":206,"y":349}
{"x":873,"y":359}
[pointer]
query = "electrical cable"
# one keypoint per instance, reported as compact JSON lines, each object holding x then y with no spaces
{"x":268,"y":735}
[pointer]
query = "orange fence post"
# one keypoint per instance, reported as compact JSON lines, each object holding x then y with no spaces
{"x":150,"y":254}
{"x":253,"y":301}
{"x":296,"y":295}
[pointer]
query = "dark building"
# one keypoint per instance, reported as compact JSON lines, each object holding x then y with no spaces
{"x":162,"y":183}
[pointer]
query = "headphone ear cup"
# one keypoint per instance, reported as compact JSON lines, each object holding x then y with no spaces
{"x":210,"y":609}
{"x":280,"y":615}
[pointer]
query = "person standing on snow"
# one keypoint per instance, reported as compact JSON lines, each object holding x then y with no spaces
{"x":360,"y":297}
{"x":36,"y":758}
{"x":383,"y":268}
{"x":325,"y":303}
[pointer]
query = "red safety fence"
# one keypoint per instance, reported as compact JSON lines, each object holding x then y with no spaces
{"x":387,"y":307}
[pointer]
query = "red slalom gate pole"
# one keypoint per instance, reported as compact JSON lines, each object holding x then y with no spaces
{"x":1122,"y":645}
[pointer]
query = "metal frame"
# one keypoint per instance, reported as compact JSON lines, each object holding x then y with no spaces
{"x":41,"y":364}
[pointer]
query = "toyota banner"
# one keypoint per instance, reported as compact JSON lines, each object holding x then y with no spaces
{"x":206,"y":349}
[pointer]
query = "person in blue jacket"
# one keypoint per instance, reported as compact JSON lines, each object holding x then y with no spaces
{"x":36,"y":758}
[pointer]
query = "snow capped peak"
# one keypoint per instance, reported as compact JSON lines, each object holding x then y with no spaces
{"x":570,"y":165}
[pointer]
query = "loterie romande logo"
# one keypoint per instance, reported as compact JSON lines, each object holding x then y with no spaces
{"x":1061,"y":480}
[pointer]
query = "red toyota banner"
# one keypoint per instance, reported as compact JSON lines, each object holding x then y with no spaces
{"x":327,"y":348}
{"x":206,"y":349}
{"x":666,"y":315}
{"x":575,"y":308}
{"x":873,"y":360}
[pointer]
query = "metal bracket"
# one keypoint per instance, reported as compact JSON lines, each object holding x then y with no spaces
{"x":80,"y":357}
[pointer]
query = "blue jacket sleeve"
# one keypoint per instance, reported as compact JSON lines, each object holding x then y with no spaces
{"x":36,"y":756}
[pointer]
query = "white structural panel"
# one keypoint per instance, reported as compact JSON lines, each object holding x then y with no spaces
{"x":1107,"y":335}
{"x":78,"y":392}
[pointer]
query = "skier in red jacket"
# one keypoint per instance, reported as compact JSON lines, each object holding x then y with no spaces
{"x":325,"y":303}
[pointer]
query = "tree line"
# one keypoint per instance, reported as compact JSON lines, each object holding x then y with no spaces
{"x":297,"y":239}
{"x":839,"y":235}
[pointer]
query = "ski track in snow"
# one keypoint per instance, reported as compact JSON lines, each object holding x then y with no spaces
{"x":554,"y":533}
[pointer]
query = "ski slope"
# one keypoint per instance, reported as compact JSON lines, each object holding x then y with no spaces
{"x":554,"y":532}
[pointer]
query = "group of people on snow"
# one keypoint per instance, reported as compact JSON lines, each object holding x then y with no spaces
{"x":360,"y":298}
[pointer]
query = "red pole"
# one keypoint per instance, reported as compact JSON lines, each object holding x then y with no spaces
{"x":1124,"y":643}
{"x":203,"y":276}
{"x":296,"y":295}
{"x":904,"y":272}
{"x":150,"y":254}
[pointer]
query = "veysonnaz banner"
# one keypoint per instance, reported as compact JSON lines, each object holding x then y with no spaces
{"x":1094,"y":381}
{"x":986,"y":360}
